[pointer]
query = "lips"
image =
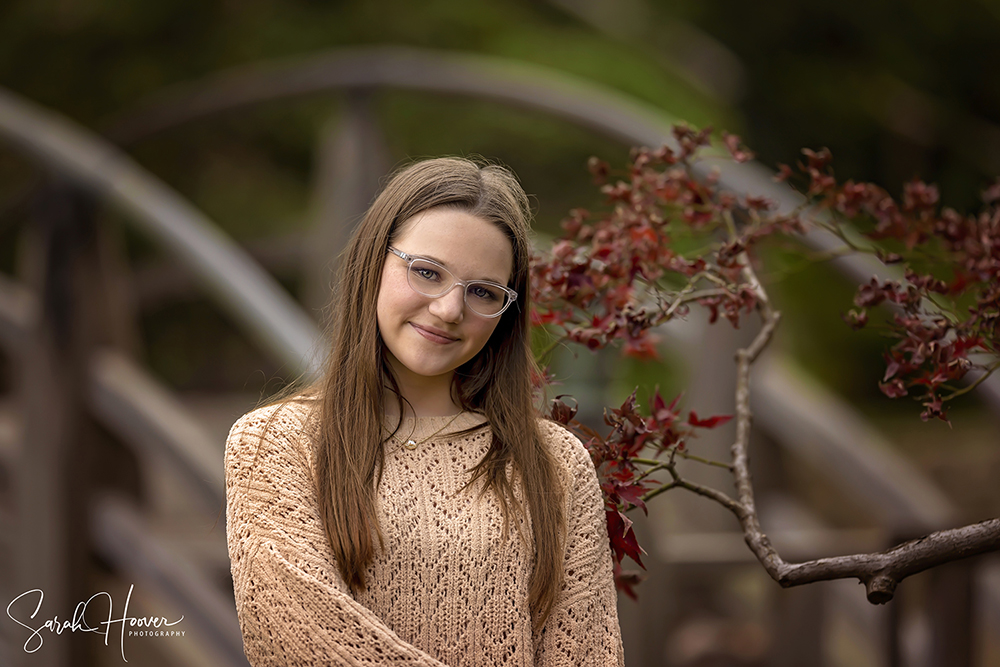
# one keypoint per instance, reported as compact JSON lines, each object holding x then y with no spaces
{"x":434,"y":335}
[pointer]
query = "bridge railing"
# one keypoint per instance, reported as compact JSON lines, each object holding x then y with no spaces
{"x":141,"y":412}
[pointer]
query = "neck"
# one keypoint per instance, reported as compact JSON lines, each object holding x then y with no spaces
{"x":424,"y":396}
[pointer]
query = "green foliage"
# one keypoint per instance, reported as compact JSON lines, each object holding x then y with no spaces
{"x":831,"y":73}
{"x":895,"y":89}
{"x":813,"y":298}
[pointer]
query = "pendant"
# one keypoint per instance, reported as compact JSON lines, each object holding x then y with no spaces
{"x":410,"y":444}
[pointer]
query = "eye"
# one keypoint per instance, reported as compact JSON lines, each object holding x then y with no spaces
{"x":424,"y":272}
{"x":485,"y":292}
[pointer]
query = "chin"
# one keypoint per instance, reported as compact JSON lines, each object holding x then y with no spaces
{"x":429,"y":370}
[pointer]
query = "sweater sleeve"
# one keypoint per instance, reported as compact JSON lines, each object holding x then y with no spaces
{"x":293,"y":606}
{"x":583,"y":626}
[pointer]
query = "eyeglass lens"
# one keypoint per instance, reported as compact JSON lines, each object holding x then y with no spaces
{"x":431,"y":279}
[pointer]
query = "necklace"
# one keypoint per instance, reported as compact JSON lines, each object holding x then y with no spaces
{"x":412,"y":444}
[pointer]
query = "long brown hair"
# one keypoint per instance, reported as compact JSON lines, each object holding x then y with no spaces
{"x":496,"y":383}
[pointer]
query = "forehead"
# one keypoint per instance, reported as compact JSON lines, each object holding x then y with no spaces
{"x":472,"y":248}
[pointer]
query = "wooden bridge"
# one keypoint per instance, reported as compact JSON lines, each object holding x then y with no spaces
{"x":109,"y":479}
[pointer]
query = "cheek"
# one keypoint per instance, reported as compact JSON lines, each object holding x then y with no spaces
{"x":483,"y":330}
{"x":391,"y":297}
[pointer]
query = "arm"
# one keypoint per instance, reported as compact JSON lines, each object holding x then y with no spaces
{"x":583,"y":627}
{"x":294,"y":608}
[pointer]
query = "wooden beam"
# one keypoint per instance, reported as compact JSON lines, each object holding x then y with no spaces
{"x":122,"y":537}
{"x":144,"y":413}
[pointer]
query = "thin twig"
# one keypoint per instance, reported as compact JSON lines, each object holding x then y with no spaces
{"x":709,"y":462}
{"x":659,"y":466}
{"x":838,"y":231}
{"x":972,"y":385}
{"x":685,"y":455}
{"x":681,"y":483}
{"x":811,"y":259}
{"x":551,"y":348}
{"x":727,"y":216}
{"x":687,"y":298}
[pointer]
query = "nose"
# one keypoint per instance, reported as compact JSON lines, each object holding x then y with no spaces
{"x":451,"y":306}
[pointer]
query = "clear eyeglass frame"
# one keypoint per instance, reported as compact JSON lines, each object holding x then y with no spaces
{"x":465,"y":284}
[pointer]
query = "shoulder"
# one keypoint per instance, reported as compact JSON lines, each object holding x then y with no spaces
{"x":292,"y":413}
{"x":567,"y":450}
{"x":278,"y":429}
{"x":576,"y":470}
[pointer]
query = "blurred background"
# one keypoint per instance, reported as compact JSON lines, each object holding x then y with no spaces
{"x":177,"y":178}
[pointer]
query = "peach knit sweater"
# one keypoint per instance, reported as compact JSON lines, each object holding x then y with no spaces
{"x":447,"y":589}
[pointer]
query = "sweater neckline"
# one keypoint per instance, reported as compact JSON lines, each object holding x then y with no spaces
{"x":462,"y":417}
{"x":417,"y":428}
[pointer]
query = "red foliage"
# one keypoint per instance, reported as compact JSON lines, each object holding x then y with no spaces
{"x":961,"y":256}
{"x":615,"y":457}
{"x":602,"y":281}
{"x":615,"y":276}
{"x":710,"y":422}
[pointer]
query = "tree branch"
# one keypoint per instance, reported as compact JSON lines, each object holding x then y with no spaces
{"x":667,"y":200}
{"x":746,"y":511}
{"x":880,"y":572}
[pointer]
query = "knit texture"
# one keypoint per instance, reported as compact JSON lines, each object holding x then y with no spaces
{"x":450,"y":588}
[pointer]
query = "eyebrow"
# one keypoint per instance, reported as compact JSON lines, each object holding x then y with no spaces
{"x":435,"y":259}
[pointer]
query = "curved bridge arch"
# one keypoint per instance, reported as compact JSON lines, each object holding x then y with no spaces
{"x":525,"y":86}
{"x":252,"y":295}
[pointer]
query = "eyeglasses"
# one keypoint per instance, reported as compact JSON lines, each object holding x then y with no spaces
{"x":483,"y":297}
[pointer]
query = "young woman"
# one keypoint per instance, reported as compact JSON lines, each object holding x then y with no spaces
{"x":411,"y":508}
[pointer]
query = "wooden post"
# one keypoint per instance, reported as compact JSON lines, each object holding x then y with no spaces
{"x":63,"y":266}
{"x":950,"y":607}
{"x":798,"y":637}
{"x":352,"y":157}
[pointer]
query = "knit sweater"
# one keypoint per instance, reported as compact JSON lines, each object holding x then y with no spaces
{"x":449,"y":588}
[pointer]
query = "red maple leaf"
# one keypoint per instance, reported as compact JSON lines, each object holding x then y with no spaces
{"x":709,"y":422}
{"x":623,"y":542}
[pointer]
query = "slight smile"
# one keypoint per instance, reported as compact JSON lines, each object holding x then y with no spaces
{"x":433,"y":335}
